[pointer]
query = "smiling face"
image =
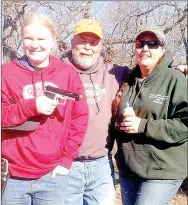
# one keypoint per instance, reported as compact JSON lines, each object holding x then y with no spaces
{"x":37,"y":43}
{"x":146,"y":57}
{"x":86,"y":48}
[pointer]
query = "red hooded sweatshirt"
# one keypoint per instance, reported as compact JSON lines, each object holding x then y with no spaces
{"x":32,"y":154}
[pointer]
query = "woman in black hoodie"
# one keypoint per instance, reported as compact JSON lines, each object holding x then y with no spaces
{"x":152,"y":139}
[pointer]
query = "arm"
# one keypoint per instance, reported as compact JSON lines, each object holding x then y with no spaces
{"x":78,"y":125}
{"x":17,"y":112}
{"x":171,"y":130}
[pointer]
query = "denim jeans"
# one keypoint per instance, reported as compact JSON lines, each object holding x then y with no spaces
{"x":43,"y":191}
{"x":91,"y":182}
{"x":148,"y":192}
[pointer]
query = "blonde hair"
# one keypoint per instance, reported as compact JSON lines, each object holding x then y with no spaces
{"x":40,"y":19}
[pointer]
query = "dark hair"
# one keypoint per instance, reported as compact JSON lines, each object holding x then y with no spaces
{"x":116,"y":101}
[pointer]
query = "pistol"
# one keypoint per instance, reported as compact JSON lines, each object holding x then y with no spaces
{"x":4,"y":174}
{"x":58,"y":94}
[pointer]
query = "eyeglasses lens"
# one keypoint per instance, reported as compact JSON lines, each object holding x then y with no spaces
{"x":150,"y":44}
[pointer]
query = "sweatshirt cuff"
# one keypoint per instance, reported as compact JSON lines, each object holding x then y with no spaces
{"x":66,"y":162}
{"x":142,"y":125}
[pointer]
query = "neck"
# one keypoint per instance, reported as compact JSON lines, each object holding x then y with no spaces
{"x":145,"y":72}
{"x":39,"y":66}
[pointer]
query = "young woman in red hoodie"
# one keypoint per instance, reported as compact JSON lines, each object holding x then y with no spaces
{"x":40,"y":135}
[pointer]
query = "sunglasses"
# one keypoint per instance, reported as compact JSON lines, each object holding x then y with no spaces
{"x":150,"y":44}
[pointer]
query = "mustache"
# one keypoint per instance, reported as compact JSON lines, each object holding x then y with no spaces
{"x":86,"y":53}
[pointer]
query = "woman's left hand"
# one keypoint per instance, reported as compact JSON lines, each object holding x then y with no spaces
{"x":130,"y":124}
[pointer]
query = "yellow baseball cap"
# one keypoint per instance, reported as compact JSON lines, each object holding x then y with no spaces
{"x":88,"y":25}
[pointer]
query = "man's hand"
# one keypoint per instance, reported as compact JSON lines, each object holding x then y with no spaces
{"x":45,"y":105}
{"x":59,"y":170}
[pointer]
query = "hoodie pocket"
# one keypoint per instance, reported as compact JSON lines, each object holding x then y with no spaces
{"x":159,"y":166}
{"x":140,"y":159}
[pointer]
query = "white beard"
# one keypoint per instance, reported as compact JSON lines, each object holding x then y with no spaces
{"x":85,"y":62}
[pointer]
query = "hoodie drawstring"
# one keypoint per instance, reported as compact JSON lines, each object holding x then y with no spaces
{"x":34,"y":87}
{"x":43,"y":82}
{"x":133,"y":98}
{"x":95,"y":97}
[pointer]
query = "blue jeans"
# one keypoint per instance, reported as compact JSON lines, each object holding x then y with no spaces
{"x":91,"y":182}
{"x":148,"y":192}
{"x":43,"y":191}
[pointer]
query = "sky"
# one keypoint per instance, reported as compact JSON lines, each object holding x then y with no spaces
{"x":98,"y":8}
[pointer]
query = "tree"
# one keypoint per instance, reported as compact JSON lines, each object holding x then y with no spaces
{"x":122,"y":20}
{"x":12,"y":14}
{"x":64,"y":13}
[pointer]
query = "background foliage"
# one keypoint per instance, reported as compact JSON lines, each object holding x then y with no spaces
{"x":120,"y":20}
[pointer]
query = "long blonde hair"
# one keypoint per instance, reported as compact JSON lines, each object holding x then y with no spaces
{"x":40,"y":19}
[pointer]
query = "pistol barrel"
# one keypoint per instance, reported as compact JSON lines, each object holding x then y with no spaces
{"x":51,"y":89}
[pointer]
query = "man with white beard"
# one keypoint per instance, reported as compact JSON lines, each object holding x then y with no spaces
{"x":91,"y":177}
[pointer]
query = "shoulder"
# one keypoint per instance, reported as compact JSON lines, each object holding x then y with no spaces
{"x":168,"y":69}
{"x":8,"y":66}
{"x":176,"y":80}
{"x":175,"y":74}
{"x":67,"y":54}
{"x":62,"y":63}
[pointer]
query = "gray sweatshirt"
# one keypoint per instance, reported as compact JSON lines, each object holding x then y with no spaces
{"x":101,"y":84}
